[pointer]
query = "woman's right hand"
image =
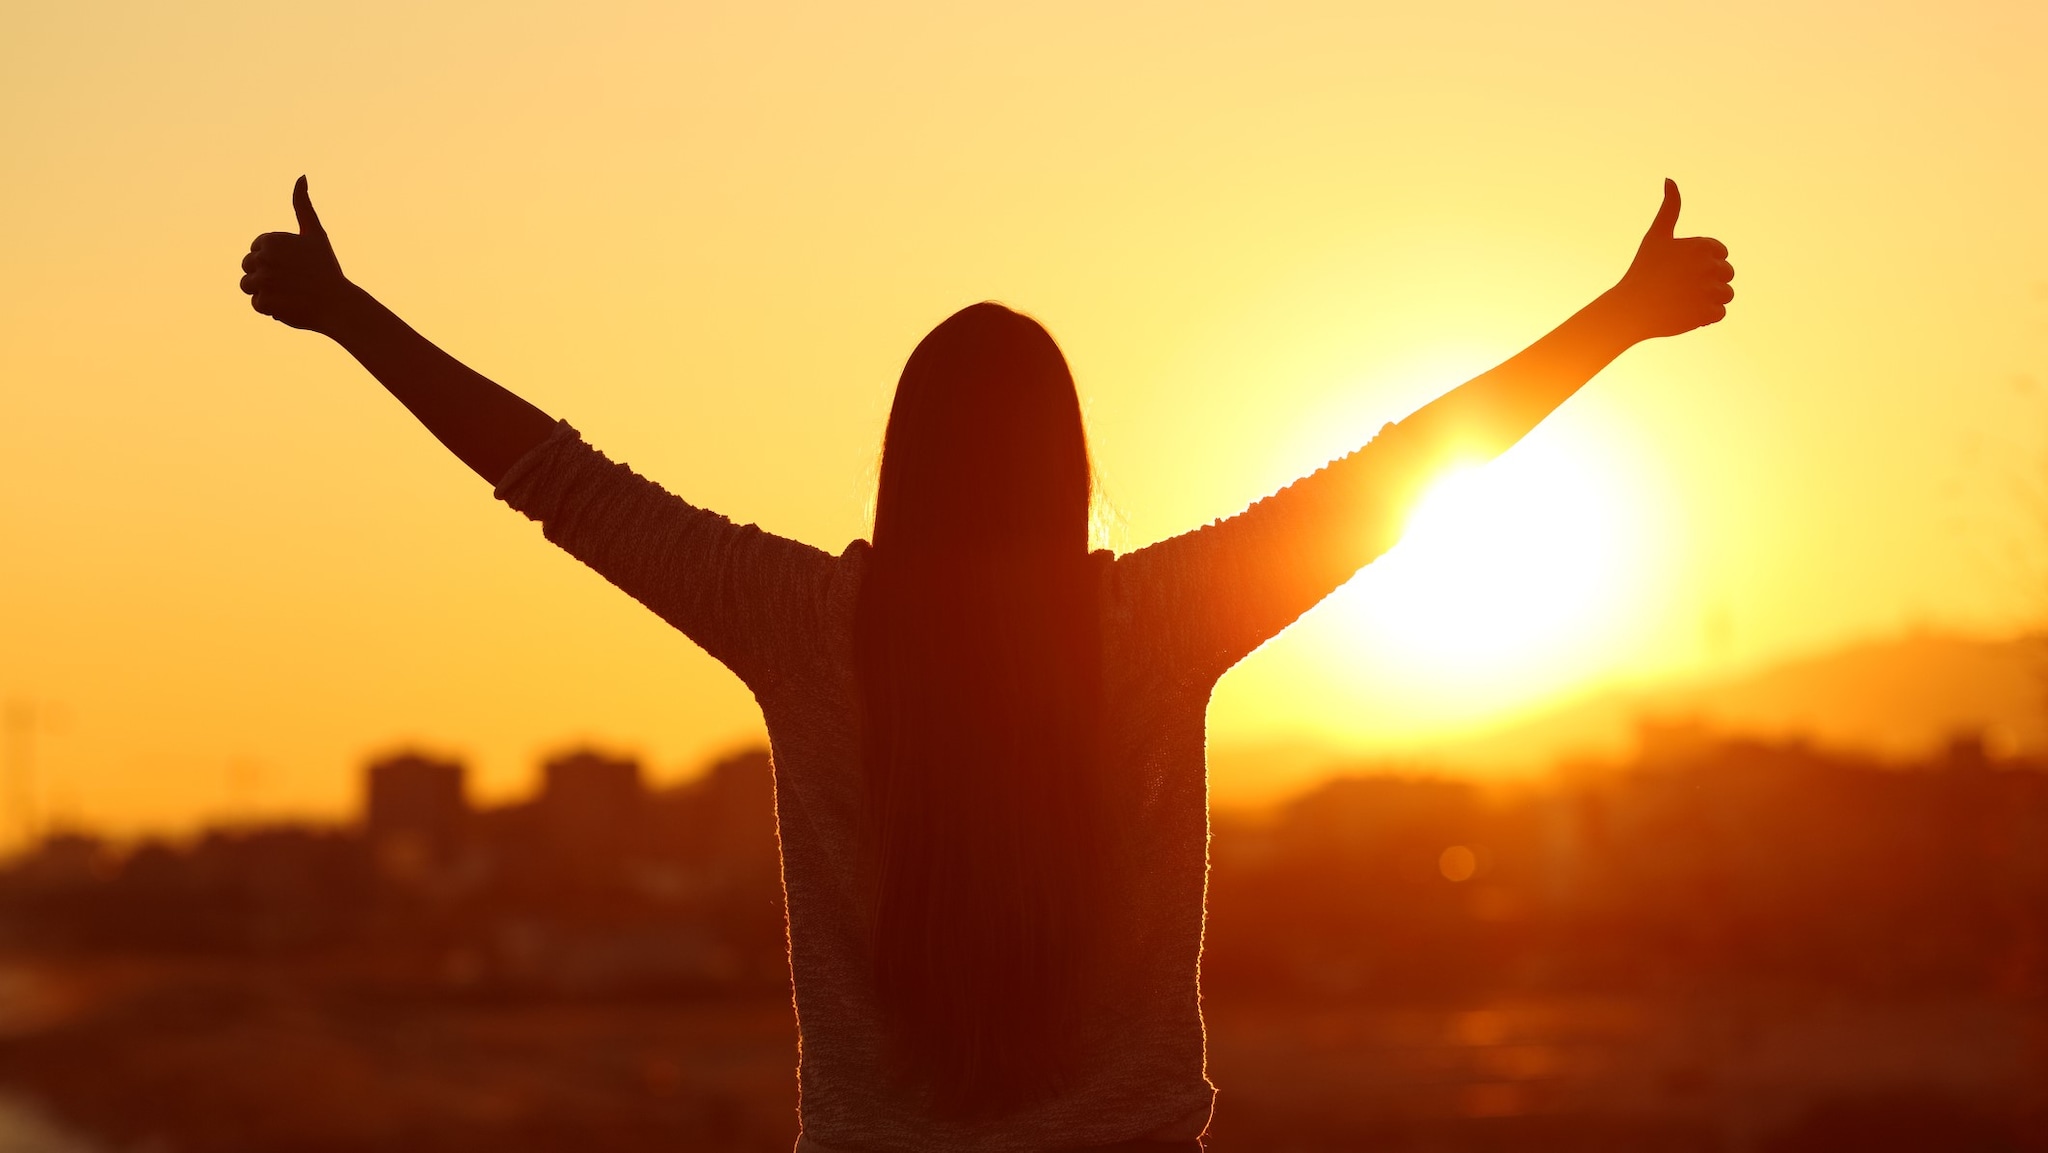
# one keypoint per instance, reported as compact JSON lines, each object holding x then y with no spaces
{"x":1676,"y":283}
{"x":293,"y":277}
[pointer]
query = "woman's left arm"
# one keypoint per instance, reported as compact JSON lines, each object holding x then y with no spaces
{"x":748,"y":597}
{"x":295,"y":278}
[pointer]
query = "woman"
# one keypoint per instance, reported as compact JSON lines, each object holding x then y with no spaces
{"x":987,"y":740}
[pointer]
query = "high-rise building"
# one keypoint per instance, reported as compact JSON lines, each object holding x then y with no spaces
{"x":592,"y":805}
{"x":414,"y":812}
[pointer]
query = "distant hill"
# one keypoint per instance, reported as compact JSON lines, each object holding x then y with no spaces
{"x":1897,"y":698}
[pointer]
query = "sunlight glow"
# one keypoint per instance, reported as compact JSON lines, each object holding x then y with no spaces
{"x":1500,"y":568}
{"x":1512,"y":581}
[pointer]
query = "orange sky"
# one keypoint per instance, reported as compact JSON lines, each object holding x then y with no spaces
{"x":709,"y":238}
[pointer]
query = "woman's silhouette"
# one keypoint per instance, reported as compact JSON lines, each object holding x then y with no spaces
{"x":988,"y":741}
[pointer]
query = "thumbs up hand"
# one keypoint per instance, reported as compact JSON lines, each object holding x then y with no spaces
{"x":293,"y":276}
{"x":1676,"y":283}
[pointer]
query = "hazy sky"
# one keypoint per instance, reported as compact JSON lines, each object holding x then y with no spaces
{"x":709,"y":234}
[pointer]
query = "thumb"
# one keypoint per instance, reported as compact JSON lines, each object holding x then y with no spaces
{"x":302,"y":204}
{"x":1667,"y":215}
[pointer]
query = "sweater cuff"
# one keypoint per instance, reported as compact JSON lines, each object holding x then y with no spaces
{"x":516,"y":486}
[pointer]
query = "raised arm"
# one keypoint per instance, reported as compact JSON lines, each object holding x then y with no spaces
{"x":1674,"y":285}
{"x":750,"y":598}
{"x":295,"y":278}
{"x":1221,"y":591}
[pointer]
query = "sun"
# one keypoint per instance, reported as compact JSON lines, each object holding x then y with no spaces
{"x":1511,"y":578}
{"x":1554,"y":571}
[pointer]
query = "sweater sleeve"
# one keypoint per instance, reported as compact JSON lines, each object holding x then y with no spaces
{"x":748,"y":597}
{"x":1203,"y":600}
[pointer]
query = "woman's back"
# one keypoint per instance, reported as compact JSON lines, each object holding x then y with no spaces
{"x":782,"y":615}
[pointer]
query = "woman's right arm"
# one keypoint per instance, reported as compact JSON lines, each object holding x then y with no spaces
{"x":295,"y":278}
{"x":1221,"y":591}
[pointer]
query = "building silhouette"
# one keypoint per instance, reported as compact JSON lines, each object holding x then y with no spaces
{"x":415,"y":813}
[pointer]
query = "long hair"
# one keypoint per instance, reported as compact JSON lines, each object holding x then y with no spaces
{"x":980,"y":671}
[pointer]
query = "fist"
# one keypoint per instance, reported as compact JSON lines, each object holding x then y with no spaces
{"x":1676,"y":283}
{"x":293,"y":276}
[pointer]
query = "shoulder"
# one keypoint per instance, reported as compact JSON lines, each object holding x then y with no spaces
{"x":852,"y":562}
{"x":841,"y":599}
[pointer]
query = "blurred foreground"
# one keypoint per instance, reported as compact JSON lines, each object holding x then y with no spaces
{"x":1724,"y":946}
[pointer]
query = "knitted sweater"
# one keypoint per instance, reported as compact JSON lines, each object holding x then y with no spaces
{"x":1176,"y":616}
